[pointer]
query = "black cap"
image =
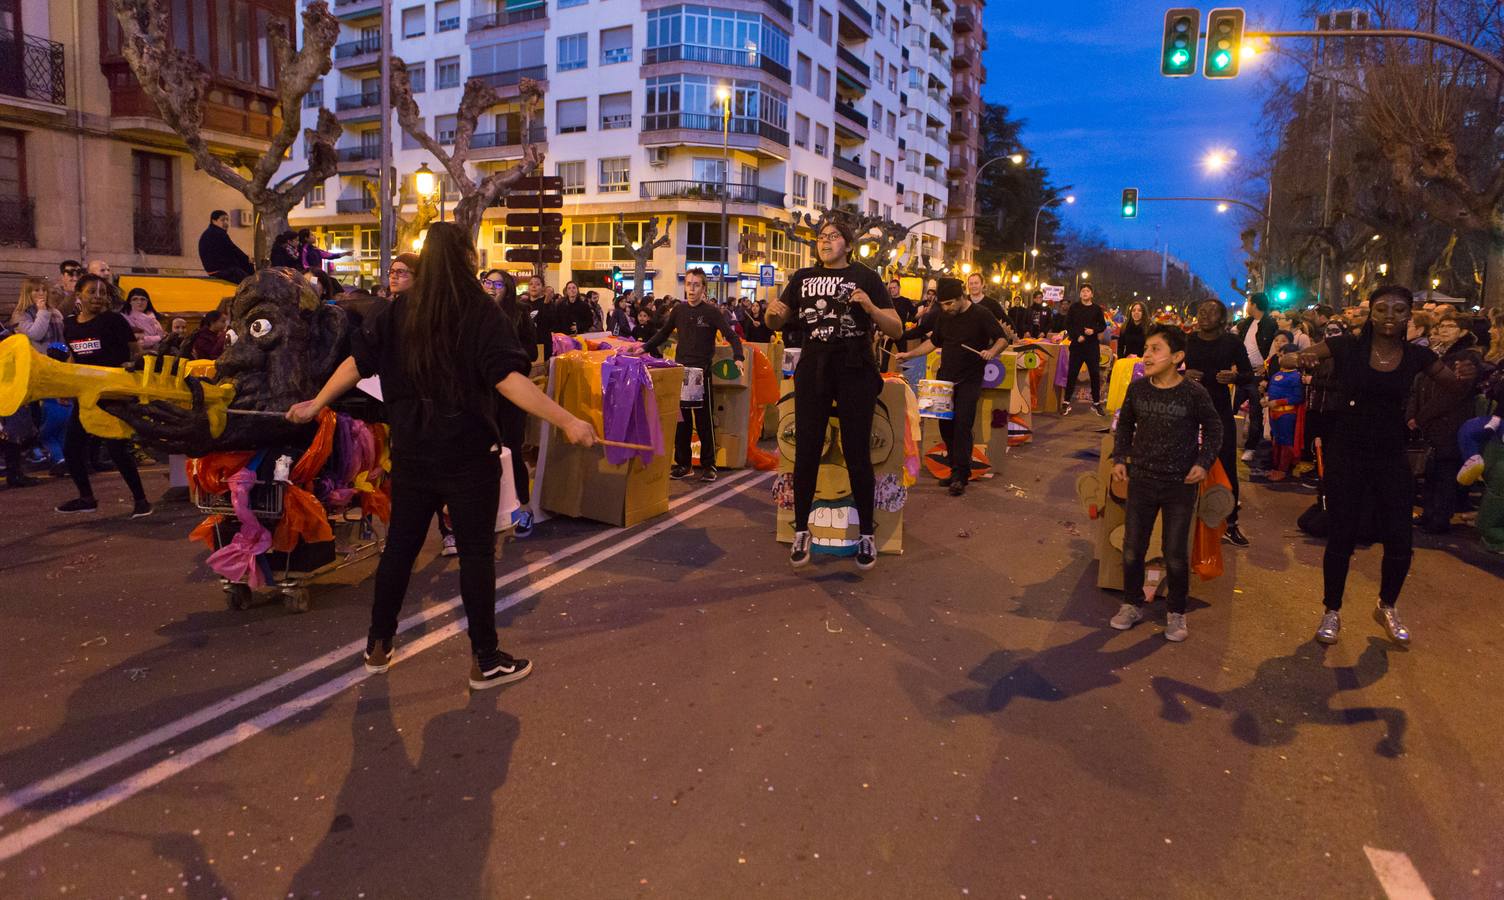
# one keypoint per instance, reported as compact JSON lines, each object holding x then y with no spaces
{"x":949,"y":289}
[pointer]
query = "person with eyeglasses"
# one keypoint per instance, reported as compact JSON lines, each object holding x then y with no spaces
{"x":400,"y":275}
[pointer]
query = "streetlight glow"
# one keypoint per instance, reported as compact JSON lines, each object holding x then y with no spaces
{"x":425,"y":183}
{"x":1383,"y":268}
{"x":1070,"y":198}
{"x":1016,"y":277}
{"x":997,"y":279}
{"x":1017,"y":159}
{"x":1435,"y":283}
{"x":1221,"y":207}
{"x":1217,"y":160}
{"x":965,"y":268}
{"x":723,"y":93}
{"x":1085,"y":274}
{"x":1349,"y":278}
{"x":1034,"y":252}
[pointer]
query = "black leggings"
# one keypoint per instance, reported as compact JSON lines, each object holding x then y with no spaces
{"x":1089,"y":354}
{"x":696,"y":417}
{"x":1228,"y":456}
{"x":1357,"y":487}
{"x":513,"y":430}
{"x":823,"y":380}
{"x":76,"y":452}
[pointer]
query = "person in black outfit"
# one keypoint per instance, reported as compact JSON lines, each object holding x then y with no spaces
{"x":1084,"y":324}
{"x":1036,"y":317}
{"x":511,"y":417}
{"x":755,"y":329}
{"x":1256,"y":330}
{"x":697,"y":323}
{"x":837,"y":306}
{"x":969,"y":337}
{"x":1135,"y":329}
{"x":286,"y":252}
{"x":218,"y":254}
{"x":443,"y":352}
{"x":1216,"y":359}
{"x":1366,"y":465}
{"x":97,"y":336}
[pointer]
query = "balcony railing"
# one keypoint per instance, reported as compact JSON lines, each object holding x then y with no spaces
{"x":506,"y":17}
{"x":355,"y":205}
{"x":31,"y":67}
{"x":511,"y":77}
{"x":357,"y":101}
{"x":356,"y":154}
{"x":855,"y":62}
{"x":341,"y":4}
{"x":485,"y":139}
{"x":716,"y":56}
{"x":352,"y":49}
{"x":853,"y":166}
{"x":849,"y":112}
{"x":856,"y":10}
{"x":158,"y":233}
{"x":965,"y":22}
{"x":964,"y":59}
{"x":736,"y":192}
{"x":18,"y":224}
{"x":710,"y":122}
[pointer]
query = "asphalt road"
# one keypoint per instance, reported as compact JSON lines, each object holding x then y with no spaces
{"x":705,"y":722}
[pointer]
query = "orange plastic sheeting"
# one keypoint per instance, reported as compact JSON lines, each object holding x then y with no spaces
{"x":204,"y":533}
{"x":303,"y":516}
{"x":913,"y":427}
{"x":1206,"y":549}
{"x":208,"y":473}
{"x":764,"y":394}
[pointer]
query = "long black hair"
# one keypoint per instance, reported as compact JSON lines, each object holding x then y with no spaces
{"x":445,"y":305}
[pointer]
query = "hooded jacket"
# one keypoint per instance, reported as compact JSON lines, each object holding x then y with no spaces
{"x":1439,"y":410}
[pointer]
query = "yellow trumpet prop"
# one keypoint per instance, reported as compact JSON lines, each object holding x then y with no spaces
{"x":27,"y":376}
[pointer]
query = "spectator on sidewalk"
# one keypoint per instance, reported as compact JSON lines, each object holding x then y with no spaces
{"x":143,"y":320}
{"x":219,"y":255}
{"x":208,"y":342}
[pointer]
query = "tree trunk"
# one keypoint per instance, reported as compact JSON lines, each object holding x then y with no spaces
{"x":640,"y":270}
{"x":1401,"y":261}
{"x":272,"y":216}
{"x":1493,"y":274}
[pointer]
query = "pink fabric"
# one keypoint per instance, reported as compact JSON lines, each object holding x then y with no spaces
{"x":236,"y":561}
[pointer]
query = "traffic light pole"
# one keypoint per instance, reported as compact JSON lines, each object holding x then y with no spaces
{"x":1477,"y":53}
{"x":1235,"y":202}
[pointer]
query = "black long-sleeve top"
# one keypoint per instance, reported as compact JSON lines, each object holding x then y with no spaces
{"x":1082,"y":316}
{"x":1163,"y":432}
{"x":697,"y":324}
{"x":217,"y":252}
{"x":1131,"y":340}
{"x":1218,"y":355}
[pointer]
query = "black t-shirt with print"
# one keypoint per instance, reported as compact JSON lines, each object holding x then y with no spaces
{"x":104,"y":340}
{"x":820,"y":306}
{"x":974,"y":327}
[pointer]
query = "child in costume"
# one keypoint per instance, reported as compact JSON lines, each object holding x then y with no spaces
{"x":1285,"y":394}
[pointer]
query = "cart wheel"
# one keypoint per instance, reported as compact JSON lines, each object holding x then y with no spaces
{"x":238,"y":596}
{"x":295,"y":599}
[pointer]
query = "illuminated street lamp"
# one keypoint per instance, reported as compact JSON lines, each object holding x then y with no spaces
{"x":426,"y":184}
{"x":1017,"y":159}
{"x":1435,"y":283}
{"x":997,"y":279}
{"x":1349,"y":278}
{"x":1384,"y":269}
{"x":1217,"y":160}
{"x":1221,"y":207}
{"x":965,"y":268}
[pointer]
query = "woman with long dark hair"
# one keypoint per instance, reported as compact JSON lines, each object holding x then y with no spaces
{"x":1135,"y":330}
{"x":1364,"y":446}
{"x":443,"y":351}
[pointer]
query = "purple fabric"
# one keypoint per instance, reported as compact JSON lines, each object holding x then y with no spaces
{"x":630,"y":408}
{"x":1062,"y":363}
{"x":236,"y":561}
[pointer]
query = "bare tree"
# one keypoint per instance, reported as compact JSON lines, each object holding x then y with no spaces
{"x":642,"y":247}
{"x":475,"y":196}
{"x":408,"y":230}
{"x":178,"y":84}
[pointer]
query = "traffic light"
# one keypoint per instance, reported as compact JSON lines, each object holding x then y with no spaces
{"x":1182,"y":34}
{"x":1130,"y":203}
{"x":1224,"y":42}
{"x":616,"y":274}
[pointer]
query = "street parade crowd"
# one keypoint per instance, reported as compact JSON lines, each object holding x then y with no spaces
{"x":1377,"y":408}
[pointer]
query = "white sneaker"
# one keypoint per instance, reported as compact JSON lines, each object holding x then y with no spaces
{"x":1175,"y":629}
{"x":1247,"y":456}
{"x":1127,"y":617}
{"x":449,"y":548}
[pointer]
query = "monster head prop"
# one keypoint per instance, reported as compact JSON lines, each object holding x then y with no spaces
{"x":282,"y":344}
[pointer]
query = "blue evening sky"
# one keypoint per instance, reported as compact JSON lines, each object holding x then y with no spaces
{"x":1084,"y":74}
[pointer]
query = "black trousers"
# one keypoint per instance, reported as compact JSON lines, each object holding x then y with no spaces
{"x":1358,"y":486}
{"x":1255,"y":435}
{"x":471,"y":492}
{"x":75,"y":451}
{"x":1149,"y":498}
{"x":958,"y":432}
{"x":1441,"y":493}
{"x":1228,"y":456}
{"x":1084,"y":353}
{"x":513,"y":430}
{"x":824,"y":380}
{"x":696,"y":417}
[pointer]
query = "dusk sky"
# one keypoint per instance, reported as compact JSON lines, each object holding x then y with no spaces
{"x":1084,"y":74}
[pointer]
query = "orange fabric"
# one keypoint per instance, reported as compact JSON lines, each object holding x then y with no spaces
{"x":204,"y":533}
{"x":764,"y":393}
{"x":303,"y":518}
{"x":208,"y":473}
{"x":1206,"y":550}
{"x":378,"y":502}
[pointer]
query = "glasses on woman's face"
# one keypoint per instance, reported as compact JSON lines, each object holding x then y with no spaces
{"x":494,"y":284}
{"x":399,"y":274}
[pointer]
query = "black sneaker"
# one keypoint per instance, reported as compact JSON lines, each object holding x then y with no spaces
{"x":142,"y":509}
{"x":1099,"y":408}
{"x":866,"y":551}
{"x":708,"y":473}
{"x":22,"y":481}
{"x":678,"y":473}
{"x":77,"y":505}
{"x":957,"y":487}
{"x":1065,"y":409}
{"x":1235,"y":536}
{"x":502,"y":670}
{"x":378,"y":656}
{"x":799,"y":554}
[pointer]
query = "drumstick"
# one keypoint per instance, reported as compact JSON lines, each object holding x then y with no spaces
{"x":256,"y":412}
{"x":623,"y":444}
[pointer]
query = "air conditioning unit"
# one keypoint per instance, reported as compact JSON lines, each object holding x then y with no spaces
{"x":657,"y":157}
{"x":242,"y":218}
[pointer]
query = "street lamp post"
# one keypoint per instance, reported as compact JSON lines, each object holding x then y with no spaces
{"x":1034,"y":247}
{"x":426,"y":184}
{"x":724,"y":95}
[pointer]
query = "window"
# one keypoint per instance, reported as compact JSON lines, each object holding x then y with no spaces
{"x":315,"y":96}
{"x":12,"y":167}
{"x":573,"y":173}
{"x":874,"y":164}
{"x":827,"y":27}
{"x":508,"y":56}
{"x":892,"y":78}
{"x":412,"y":21}
{"x":574,"y":52}
{"x":888,"y":211}
{"x":616,"y":175}
{"x":315,"y":196}
{"x":878,"y":65}
{"x":802,"y":72}
{"x":157,"y":229}
{"x":417,"y":76}
{"x":616,"y":110}
{"x":446,"y":72}
{"x":446,"y":16}
{"x":892,"y":124}
{"x":443,"y":128}
{"x":887,"y":171}
{"x":822,"y":138}
{"x":893,"y":27}
{"x":806,"y":12}
{"x":822,"y":194}
{"x":801,"y":131}
{"x":565,"y":4}
{"x":616,"y":45}
{"x":703,"y":242}
{"x":877,"y":115}
{"x":872,"y":207}
{"x":879,"y":17}
{"x":572,"y":115}
{"x":688,"y":101}
{"x":721,"y":36}
{"x":709,"y":169}
{"x":801,"y":189}
{"x":822,"y":84}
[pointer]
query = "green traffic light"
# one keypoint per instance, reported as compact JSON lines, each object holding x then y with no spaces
{"x":1128,"y":209}
{"x":1179,"y":58}
{"x":1283,"y":294}
{"x":1222,"y":59}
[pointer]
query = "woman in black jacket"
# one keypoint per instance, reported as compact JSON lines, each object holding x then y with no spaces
{"x":1437,"y":411}
{"x":1135,"y":330}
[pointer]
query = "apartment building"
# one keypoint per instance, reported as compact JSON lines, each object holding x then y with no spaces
{"x":820,"y":117}
{"x":87,"y":167}
{"x":967,"y":76}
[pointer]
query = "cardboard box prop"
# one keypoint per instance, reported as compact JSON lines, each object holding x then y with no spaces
{"x":575,"y":481}
{"x":1042,"y":362}
{"x":833,"y":520}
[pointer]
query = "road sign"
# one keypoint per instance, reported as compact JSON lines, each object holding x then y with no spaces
{"x":547,"y":237}
{"x":540,"y":183}
{"x":535,"y":220}
{"x":535,"y":201}
{"x":1053,"y":293}
{"x":531,"y":255}
{"x":765,"y":275}
{"x":715,"y":271}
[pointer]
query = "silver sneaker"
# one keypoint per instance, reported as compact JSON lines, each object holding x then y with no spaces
{"x":1175,"y":629}
{"x":1331,"y":624}
{"x":1390,"y":619}
{"x":1127,"y":617}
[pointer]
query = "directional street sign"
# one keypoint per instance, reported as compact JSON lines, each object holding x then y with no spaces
{"x":535,"y":201}
{"x":530,"y":255}
{"x":548,"y":238}
{"x":535,"y":220}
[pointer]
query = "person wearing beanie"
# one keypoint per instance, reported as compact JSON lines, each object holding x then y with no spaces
{"x":969,"y":337}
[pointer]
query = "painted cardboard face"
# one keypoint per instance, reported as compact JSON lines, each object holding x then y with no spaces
{"x":833,"y":523}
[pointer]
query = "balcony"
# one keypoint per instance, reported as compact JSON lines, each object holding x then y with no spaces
{"x":849,"y":112}
{"x":851,"y":167}
{"x":512,"y":77}
{"x":500,"y":144}
{"x":712,"y":123}
{"x":861,"y":71}
{"x":356,"y":154}
{"x":31,"y":68}
{"x":355,"y":9}
{"x":505,"y":17}
{"x":159,"y":234}
{"x":859,"y":16}
{"x":363,"y":204}
{"x":351,"y":102}
{"x":966,"y":23}
{"x":710,"y":190}
{"x":964,"y":59}
{"x":18,"y":224}
{"x":783,"y":9}
{"x":354,"y":54}
{"x":716,"y":56}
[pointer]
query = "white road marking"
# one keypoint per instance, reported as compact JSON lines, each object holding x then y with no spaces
{"x":1397,"y":874}
{"x":70,"y":776}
